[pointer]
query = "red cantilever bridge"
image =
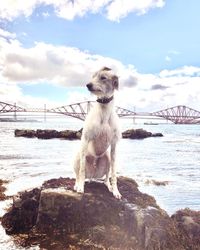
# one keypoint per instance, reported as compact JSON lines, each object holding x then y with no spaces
{"x":178,"y":114}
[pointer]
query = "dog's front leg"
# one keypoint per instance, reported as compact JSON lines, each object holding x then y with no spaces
{"x":81,"y":173}
{"x":115,"y":190}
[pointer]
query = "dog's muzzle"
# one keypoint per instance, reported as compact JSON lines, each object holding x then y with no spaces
{"x":89,"y":86}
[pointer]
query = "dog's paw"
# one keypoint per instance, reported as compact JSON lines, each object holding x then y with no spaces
{"x":117,"y":194}
{"x":107,"y":183}
{"x":80,"y":189}
{"x":75,"y":187}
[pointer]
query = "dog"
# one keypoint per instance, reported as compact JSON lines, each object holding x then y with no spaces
{"x":101,"y":132}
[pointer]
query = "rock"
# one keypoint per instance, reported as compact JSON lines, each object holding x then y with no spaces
{"x":22,"y":216}
{"x":157,"y":135}
{"x":55,"y":217}
{"x":74,"y":135}
{"x":138,"y":134}
{"x":47,"y":134}
{"x":188,"y":223}
{"x":156,"y":183}
{"x":2,"y":190}
{"x":70,"y":134}
{"x":25,"y":133}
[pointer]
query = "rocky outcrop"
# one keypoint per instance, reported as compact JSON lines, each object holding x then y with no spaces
{"x":188,"y":223}
{"x":156,"y":183}
{"x":56,"y":217}
{"x":48,"y":134}
{"x":25,"y":133}
{"x":139,"y":134}
{"x":72,"y":135}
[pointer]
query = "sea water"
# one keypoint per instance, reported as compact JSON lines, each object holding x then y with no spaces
{"x":174,"y":158}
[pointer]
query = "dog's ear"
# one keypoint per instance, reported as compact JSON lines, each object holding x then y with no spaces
{"x":115,"y":81}
{"x":105,"y":69}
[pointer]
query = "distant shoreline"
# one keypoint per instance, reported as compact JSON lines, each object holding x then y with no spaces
{"x":13,"y":120}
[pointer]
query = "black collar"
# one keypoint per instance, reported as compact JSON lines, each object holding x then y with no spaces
{"x":105,"y":100}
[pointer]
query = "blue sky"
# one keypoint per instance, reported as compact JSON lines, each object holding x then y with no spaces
{"x":50,"y":50}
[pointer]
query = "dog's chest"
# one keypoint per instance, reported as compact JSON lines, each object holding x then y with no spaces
{"x":102,"y":139}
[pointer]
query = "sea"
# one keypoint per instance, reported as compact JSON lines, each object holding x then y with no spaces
{"x":173,"y":159}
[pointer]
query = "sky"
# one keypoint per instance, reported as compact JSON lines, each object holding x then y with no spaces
{"x":49,"y":49}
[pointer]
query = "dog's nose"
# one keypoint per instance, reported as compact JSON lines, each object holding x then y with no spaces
{"x":89,"y":86}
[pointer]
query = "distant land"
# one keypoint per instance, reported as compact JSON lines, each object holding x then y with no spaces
{"x":17,"y":120}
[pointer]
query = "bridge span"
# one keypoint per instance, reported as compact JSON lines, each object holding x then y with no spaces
{"x":177,"y":114}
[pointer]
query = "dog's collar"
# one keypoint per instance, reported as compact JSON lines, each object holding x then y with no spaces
{"x":105,"y":100}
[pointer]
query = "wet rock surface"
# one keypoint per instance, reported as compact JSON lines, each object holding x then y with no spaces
{"x":188,"y":223}
{"x":48,"y":134}
{"x":139,"y":134}
{"x":25,"y":133}
{"x":56,"y":217}
{"x":73,"y":135}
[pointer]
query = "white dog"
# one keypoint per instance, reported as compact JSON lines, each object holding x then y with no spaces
{"x":101,"y":132}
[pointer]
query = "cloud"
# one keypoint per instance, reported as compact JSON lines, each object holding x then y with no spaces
{"x":168,"y":59}
{"x":158,"y":87}
{"x":119,"y":8}
{"x":114,"y":10}
{"x":9,"y":10}
{"x":11,"y":94}
{"x":57,"y":65}
{"x":60,"y":65}
{"x":7,"y":35}
{"x":171,"y":54}
{"x":183,"y":71}
{"x":71,"y":67}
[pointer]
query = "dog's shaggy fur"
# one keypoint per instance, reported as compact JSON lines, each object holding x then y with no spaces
{"x":101,"y":132}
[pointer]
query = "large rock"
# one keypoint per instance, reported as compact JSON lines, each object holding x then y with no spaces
{"x":73,"y":135}
{"x":48,"y":134}
{"x":70,"y":134}
{"x":139,"y":134}
{"x":25,"y":133}
{"x":55,"y":217}
{"x":188,"y":223}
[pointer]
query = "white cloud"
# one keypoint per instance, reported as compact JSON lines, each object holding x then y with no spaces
{"x":69,"y":9}
{"x":167,"y":58}
{"x":184,"y":71}
{"x":11,"y":93}
{"x":60,"y":65}
{"x":7,"y":35}
{"x":70,"y":67}
{"x":119,"y":8}
{"x":10,"y":9}
{"x":171,"y":54}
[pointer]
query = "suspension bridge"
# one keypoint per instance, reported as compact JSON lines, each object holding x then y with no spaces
{"x":177,"y":114}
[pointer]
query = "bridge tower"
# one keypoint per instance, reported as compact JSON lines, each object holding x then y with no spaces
{"x":15,"y":112}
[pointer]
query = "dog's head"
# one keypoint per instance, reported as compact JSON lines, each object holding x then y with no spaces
{"x":103,"y":83}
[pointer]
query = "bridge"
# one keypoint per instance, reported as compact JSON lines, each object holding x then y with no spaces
{"x":177,"y":115}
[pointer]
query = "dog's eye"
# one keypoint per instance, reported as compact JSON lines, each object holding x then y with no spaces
{"x":103,"y":78}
